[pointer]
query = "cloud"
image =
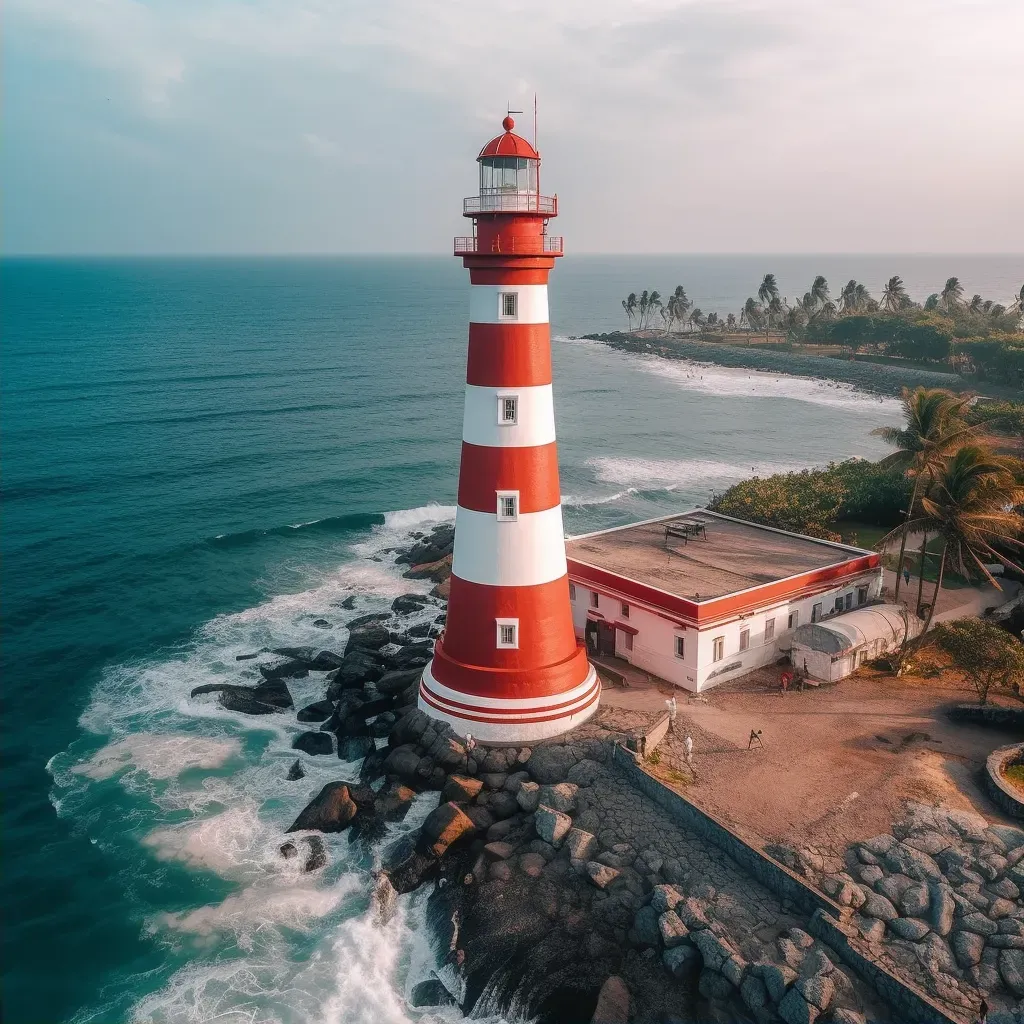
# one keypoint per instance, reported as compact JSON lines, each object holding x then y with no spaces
{"x":700,"y":125}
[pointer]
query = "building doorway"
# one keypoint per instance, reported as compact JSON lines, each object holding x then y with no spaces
{"x":606,"y":639}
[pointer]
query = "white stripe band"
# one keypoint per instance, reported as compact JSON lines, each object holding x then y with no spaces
{"x":522,"y":727}
{"x":486,"y":305}
{"x":535,"y":417}
{"x":524,"y":552}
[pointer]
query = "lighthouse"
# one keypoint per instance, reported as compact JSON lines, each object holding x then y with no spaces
{"x":508,"y":668}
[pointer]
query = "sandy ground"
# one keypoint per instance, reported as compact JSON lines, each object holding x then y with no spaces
{"x":835,"y":764}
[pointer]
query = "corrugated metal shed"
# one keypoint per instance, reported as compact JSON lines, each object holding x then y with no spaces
{"x":855,"y":629}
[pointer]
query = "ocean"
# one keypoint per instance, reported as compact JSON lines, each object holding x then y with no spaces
{"x":203,"y":456}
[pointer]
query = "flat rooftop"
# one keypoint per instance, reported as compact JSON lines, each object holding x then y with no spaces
{"x":730,"y":555}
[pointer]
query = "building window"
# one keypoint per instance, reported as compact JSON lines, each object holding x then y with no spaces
{"x":627,"y":641}
{"x":572,"y":591}
{"x":862,"y":595}
{"x":625,"y":611}
{"x":718,"y":648}
{"x":816,"y":612}
{"x":769,"y":630}
{"x":508,"y":633}
{"x":509,"y":305}
{"x":744,"y":639}
{"x":508,"y":410}
{"x":839,"y":603}
{"x":680,"y":647}
{"x":594,"y":599}
{"x":508,"y":505}
{"x":849,"y":600}
{"x":794,"y":620}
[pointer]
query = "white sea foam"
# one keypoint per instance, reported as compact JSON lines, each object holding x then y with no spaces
{"x":234,"y":843}
{"x":159,"y":756}
{"x":674,"y":474}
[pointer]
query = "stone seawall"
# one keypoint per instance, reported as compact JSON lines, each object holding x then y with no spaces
{"x":998,"y":788}
{"x":988,"y":714}
{"x":825,"y":915}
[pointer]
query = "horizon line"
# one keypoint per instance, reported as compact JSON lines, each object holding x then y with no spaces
{"x":332,"y":254}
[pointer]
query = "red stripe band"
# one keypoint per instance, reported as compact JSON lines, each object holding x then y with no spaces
{"x":533,"y":472}
{"x":509,"y":355}
{"x":494,"y":715}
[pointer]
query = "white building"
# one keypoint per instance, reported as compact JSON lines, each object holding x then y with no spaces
{"x":700,"y":598}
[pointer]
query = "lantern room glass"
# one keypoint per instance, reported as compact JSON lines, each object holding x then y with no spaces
{"x":501,"y":174}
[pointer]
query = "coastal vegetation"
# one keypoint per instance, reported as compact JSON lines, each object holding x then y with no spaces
{"x":975,"y":337}
{"x":944,"y":483}
{"x":987,"y":655}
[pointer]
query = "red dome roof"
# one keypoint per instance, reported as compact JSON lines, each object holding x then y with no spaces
{"x":509,"y":144}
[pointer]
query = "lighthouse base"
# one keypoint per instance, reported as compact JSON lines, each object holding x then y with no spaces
{"x":497,"y":721}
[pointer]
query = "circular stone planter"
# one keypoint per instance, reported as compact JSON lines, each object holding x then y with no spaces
{"x":1008,"y":798}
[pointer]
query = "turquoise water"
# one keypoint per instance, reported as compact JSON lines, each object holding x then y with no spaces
{"x":201,"y":457}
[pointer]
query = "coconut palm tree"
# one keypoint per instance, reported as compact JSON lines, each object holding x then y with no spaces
{"x":971,"y":507}
{"x":848,"y":298}
{"x":676,"y":306}
{"x":932,"y":302}
{"x":952,"y":293}
{"x":863,"y":300}
{"x":894,"y":295}
{"x":653,"y":303}
{"x":1017,"y":306}
{"x":629,"y":305}
{"x":697,"y":318}
{"x":641,"y":306}
{"x":819,"y":291}
{"x":752,"y":313}
{"x":713,"y":321}
{"x":934,"y":430}
{"x":768,"y":293}
{"x":730,"y":321}
{"x":975,"y":305}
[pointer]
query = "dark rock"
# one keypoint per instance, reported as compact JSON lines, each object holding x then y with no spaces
{"x":358,"y":668}
{"x":289,"y":850}
{"x":374,"y":618}
{"x":245,"y":657}
{"x":421,"y":629}
{"x":393,"y":803}
{"x":445,"y":826}
{"x":321,"y":624}
{"x":383,"y":724}
{"x":502,"y":805}
{"x":317,"y":856}
{"x":326,"y":661}
{"x":645,"y":925}
{"x":407,"y":603}
{"x":494,"y":780}
{"x":551,"y":763}
{"x":392,"y":683}
{"x":411,"y":656}
{"x":331,"y":810}
{"x":264,"y":699}
{"x":373,"y":765}
{"x":406,"y":867}
{"x":431,"y":993}
{"x":461,"y":790}
{"x":354,"y":748}
{"x":483,"y":819}
{"x":291,"y":669}
{"x":402,"y":763}
{"x":372,"y":708}
{"x":314,"y":743}
{"x":320,"y":711}
{"x":410,"y":728}
{"x":349,"y":603}
{"x":295,"y":772}
{"x":370,"y":637}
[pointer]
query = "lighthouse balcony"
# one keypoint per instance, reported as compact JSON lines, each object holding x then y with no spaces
{"x":510,"y":202}
{"x":531,"y":245}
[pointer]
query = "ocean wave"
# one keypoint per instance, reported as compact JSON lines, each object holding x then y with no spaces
{"x":163,"y":783}
{"x":672,"y":474}
{"x":354,"y":522}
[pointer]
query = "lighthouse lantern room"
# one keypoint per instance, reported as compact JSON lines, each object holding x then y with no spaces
{"x":508,"y":668}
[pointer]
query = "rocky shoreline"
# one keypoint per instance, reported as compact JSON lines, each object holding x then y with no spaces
{"x":879,"y":378}
{"x":562,"y":893}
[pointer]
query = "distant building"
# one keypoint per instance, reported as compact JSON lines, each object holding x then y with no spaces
{"x":701,"y":598}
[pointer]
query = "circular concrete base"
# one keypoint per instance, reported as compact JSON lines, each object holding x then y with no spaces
{"x":1006,"y":796}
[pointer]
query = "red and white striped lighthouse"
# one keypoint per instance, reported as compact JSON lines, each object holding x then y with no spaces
{"x":508,"y":668}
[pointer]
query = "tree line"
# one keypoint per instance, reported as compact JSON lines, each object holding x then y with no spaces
{"x":975,"y":335}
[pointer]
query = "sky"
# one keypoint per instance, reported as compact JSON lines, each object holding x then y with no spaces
{"x":349,"y":126}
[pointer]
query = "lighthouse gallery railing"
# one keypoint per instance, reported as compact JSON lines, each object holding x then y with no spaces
{"x":534,"y":245}
{"x":510,"y":202}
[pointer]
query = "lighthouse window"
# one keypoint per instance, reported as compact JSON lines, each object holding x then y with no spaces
{"x":508,"y":505}
{"x":509,"y":305}
{"x":508,"y":409}
{"x":508,"y":633}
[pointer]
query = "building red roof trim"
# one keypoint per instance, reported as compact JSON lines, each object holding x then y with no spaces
{"x":631,"y":630}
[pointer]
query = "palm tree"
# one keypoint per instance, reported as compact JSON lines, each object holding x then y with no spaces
{"x":819,"y":291}
{"x":971,"y":508}
{"x":676,"y":306}
{"x":768,"y":293}
{"x":1017,"y":306}
{"x":697,"y":318}
{"x":808,"y":305}
{"x":862,"y":299}
{"x":653,"y":303}
{"x":730,"y":321}
{"x":934,"y":430}
{"x":932,"y":302}
{"x":629,"y":305}
{"x":975,"y":305}
{"x":848,"y":298}
{"x":894,"y":295}
{"x":952,"y":293}
{"x":641,"y":304}
{"x":752,"y":313}
{"x":713,"y":320}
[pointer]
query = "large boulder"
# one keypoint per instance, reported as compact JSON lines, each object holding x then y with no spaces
{"x":314,"y":743}
{"x":794,"y":1009}
{"x":445,"y":826}
{"x":369,"y":636}
{"x":326,"y":661}
{"x":460,"y":789}
{"x":409,"y":728}
{"x":1011,"y":970}
{"x":551,"y":763}
{"x":645,"y":927}
{"x":673,"y":931}
{"x":407,"y":604}
{"x":267,"y":698}
{"x":407,"y":867}
{"x":612,"y":1002}
{"x":392,"y":683}
{"x":354,"y":748}
{"x":680,"y":960}
{"x":296,"y":772}
{"x":411,"y":656}
{"x":552,"y":826}
{"x":402,"y":764}
{"x":430,"y":993}
{"x":319,"y":711}
{"x":581,"y":845}
{"x":393,"y":803}
{"x":290,"y":669}
{"x":358,"y":668}
{"x":559,"y":797}
{"x":331,"y":810}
